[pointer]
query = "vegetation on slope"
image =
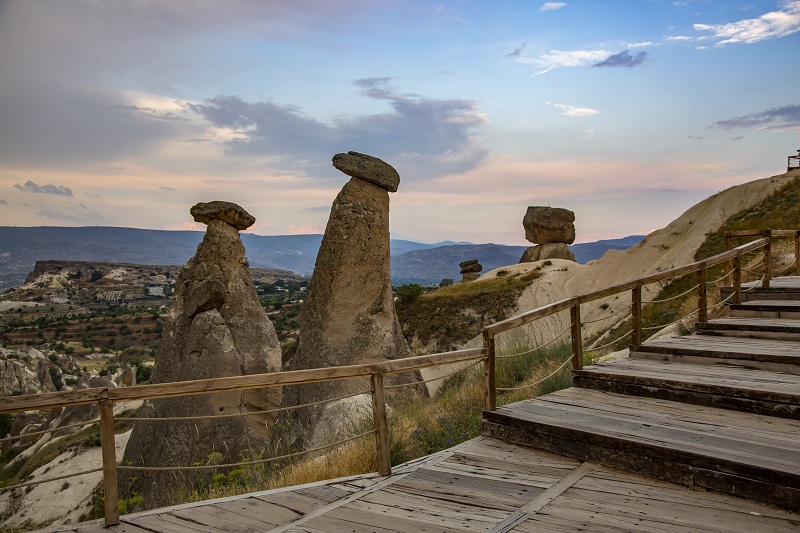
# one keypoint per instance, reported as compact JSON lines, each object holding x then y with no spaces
{"x":452,"y":315}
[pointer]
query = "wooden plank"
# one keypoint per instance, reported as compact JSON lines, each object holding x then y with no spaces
{"x":109,"y":454}
{"x":219,"y":519}
{"x":381,"y":425}
{"x":266,"y":512}
{"x":165,"y":522}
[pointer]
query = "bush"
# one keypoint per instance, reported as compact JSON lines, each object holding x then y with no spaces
{"x":410,"y":292}
{"x":446,"y":282}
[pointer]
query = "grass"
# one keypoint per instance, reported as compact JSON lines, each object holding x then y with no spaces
{"x":416,"y":428}
{"x":451,"y":315}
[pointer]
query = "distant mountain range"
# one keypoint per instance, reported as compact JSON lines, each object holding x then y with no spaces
{"x":415,"y":262}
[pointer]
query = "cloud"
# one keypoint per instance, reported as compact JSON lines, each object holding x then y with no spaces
{"x":573,"y":111}
{"x":3,"y":201}
{"x":623,"y":59}
{"x":680,"y":38}
{"x":566,"y":58}
{"x":768,"y":26}
{"x":518,"y":51}
{"x":778,"y":118}
{"x":432,"y":136}
{"x":552,"y":6}
{"x":30,"y":186}
{"x":170,"y":189}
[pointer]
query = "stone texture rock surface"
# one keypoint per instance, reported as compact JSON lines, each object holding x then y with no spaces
{"x":216,"y":328}
{"x":227,"y":212}
{"x":368,"y":168}
{"x":348,"y":315}
{"x":555,"y":250}
{"x":544,"y":225}
{"x":470,"y":270}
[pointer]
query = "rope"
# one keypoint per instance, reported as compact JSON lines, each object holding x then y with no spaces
{"x":553,"y":373}
{"x":34,"y":433}
{"x":752,"y":268}
{"x":451,"y":374}
{"x":672,"y":297}
{"x":610,"y":343}
{"x":58,"y":478}
{"x":725,"y":275}
{"x":651,"y":328}
{"x":236,"y":415}
{"x":723,"y":302}
{"x":551,"y":341}
{"x":622,"y":310}
{"x":757,"y":284}
{"x":243,"y":463}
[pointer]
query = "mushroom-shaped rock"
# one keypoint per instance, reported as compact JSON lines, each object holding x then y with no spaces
{"x":544,"y":225}
{"x":227,"y":212}
{"x":471,"y":265}
{"x":368,"y":168}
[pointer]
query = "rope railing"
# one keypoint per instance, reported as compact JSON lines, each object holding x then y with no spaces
{"x":529,"y":385}
{"x":684,"y":293}
{"x":720,"y":279}
{"x":756,"y":285}
{"x":239,"y":415}
{"x":46,"y":431}
{"x":538,"y":347}
{"x":48,"y":480}
{"x":625,"y":309}
{"x":241,"y":463}
{"x":655,"y":328}
{"x":615,"y":341}
{"x":430,"y":380}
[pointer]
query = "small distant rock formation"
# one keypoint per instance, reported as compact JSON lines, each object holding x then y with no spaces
{"x":552,"y":229}
{"x":216,"y":328}
{"x":470,"y":270}
{"x":349,"y":315}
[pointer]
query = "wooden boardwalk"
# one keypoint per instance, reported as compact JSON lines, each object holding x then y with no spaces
{"x":717,"y":410}
{"x":482,"y":485}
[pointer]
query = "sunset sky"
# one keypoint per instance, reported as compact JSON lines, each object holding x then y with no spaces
{"x":126,"y":113}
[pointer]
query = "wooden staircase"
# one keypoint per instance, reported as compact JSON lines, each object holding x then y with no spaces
{"x":718,"y":410}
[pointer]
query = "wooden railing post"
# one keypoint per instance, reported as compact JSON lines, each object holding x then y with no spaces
{"x":702,"y":296}
{"x":381,"y":425}
{"x":636,"y":314}
{"x":729,"y":263}
{"x":767,"y":259}
{"x":577,"y":337}
{"x":490,"y":390}
{"x":737,"y":279}
{"x":109,"y":455}
{"x":797,"y":253}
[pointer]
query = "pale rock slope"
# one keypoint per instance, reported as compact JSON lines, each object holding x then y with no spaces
{"x":672,"y":246}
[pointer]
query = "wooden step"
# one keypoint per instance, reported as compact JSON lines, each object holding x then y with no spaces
{"x":762,"y":354}
{"x":749,"y":455}
{"x":766,"y":309}
{"x":760,"y":328}
{"x":729,"y":387}
{"x":781,"y":288}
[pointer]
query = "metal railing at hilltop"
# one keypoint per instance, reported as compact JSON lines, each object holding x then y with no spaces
{"x":737,"y":263}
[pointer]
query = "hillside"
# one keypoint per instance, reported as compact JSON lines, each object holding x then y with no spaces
{"x":20,"y":248}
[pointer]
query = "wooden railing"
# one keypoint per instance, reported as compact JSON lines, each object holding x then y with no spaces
{"x":105,"y":398}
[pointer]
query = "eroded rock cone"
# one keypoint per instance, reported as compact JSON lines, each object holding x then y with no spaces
{"x":216,"y":328}
{"x":348,"y":316}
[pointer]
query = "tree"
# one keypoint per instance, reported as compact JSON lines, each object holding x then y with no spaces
{"x":446,"y":282}
{"x":409,"y":292}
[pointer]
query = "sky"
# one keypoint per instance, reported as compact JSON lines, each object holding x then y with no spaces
{"x":128,"y":112}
